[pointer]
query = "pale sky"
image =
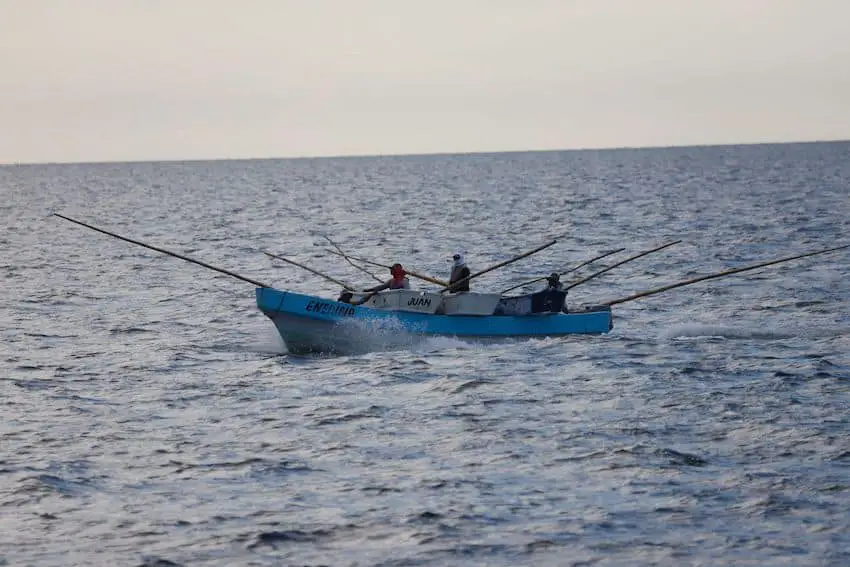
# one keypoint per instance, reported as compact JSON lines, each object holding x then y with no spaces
{"x":104,"y":80}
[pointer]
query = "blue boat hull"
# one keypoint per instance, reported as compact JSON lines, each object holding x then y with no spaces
{"x":313,"y":324}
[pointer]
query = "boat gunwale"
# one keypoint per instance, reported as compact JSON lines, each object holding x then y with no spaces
{"x":556,"y":324}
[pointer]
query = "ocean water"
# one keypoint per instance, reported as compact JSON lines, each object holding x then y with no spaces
{"x":151,"y":415}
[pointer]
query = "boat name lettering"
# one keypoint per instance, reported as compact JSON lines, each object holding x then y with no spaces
{"x":426,"y":301}
{"x":326,"y":308}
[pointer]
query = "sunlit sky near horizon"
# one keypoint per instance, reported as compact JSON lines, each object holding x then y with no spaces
{"x":114,"y":80}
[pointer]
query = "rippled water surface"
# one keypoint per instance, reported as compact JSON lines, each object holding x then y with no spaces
{"x":152,"y":417}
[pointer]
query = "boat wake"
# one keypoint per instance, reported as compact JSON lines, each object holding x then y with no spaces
{"x":442,"y":344}
{"x":695,"y":331}
{"x":269,"y":344}
{"x":368,"y":335}
{"x":702,"y":331}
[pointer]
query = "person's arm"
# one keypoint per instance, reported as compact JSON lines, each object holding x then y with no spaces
{"x":380,"y":287}
{"x":363,"y":299}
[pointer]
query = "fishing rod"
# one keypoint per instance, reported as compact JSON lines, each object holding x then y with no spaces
{"x":583,"y":264}
{"x":348,"y":259}
{"x":410,"y":273}
{"x":721,"y":274}
{"x":164,"y":251}
{"x":311,"y":270}
{"x":627,"y":260}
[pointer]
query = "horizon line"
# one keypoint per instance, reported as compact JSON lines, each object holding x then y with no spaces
{"x":422,"y":154}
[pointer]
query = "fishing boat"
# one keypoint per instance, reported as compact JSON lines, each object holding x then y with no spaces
{"x":310,"y":324}
{"x":391,"y":318}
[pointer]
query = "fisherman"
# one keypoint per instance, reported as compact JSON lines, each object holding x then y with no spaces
{"x":551,"y":301}
{"x":398,"y":281}
{"x":553,"y":282}
{"x":460,"y":273}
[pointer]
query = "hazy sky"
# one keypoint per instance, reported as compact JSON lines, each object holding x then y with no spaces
{"x":100,"y":80}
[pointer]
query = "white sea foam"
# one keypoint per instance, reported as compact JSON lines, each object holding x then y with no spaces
{"x":269,"y":342}
{"x":704,"y":331}
{"x":443,"y":344}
